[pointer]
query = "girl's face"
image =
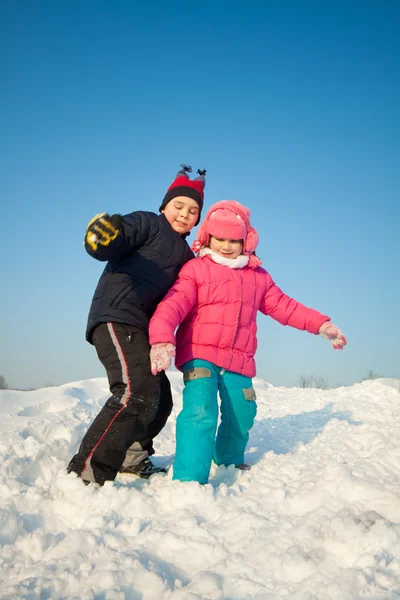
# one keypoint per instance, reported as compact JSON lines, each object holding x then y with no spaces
{"x":181,"y":213}
{"x":226,"y":248}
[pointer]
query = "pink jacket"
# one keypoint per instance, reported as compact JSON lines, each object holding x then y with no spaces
{"x":217,"y":309}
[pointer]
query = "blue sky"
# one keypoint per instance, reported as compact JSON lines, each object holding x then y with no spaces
{"x":291,"y":106}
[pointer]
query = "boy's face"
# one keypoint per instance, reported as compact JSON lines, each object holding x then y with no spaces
{"x":226,"y":248}
{"x":181,"y":213}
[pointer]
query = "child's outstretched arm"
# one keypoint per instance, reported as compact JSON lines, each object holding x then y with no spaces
{"x":108,"y":237}
{"x":169,"y":314}
{"x":288,"y":311}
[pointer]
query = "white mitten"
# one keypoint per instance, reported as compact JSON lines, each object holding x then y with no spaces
{"x":160,"y":356}
{"x":330,"y":332}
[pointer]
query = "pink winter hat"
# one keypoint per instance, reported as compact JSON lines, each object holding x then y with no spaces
{"x":230,"y":220}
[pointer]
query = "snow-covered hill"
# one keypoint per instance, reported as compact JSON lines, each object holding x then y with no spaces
{"x":317,"y":517}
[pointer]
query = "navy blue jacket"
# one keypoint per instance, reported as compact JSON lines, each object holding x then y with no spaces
{"x":143,"y":263}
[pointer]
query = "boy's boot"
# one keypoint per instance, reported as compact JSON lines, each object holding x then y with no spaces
{"x":144,"y":469}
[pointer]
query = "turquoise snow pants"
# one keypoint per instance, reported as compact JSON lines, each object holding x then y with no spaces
{"x":196,"y":424}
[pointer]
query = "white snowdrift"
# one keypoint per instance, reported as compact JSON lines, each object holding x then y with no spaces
{"x":317,"y":517}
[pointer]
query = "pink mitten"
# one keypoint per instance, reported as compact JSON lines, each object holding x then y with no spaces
{"x":160,"y":356}
{"x":330,"y":332}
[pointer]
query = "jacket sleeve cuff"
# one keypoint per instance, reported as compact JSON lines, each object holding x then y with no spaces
{"x":318,"y":322}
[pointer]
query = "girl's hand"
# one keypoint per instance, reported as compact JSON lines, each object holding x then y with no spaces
{"x":160,"y":356}
{"x":330,"y":332}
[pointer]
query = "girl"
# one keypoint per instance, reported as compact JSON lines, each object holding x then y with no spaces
{"x":215,"y":301}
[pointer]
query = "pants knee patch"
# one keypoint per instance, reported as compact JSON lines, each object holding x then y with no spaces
{"x":249,"y":394}
{"x":196,"y":373}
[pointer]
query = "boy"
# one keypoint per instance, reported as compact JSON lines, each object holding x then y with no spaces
{"x":145,"y":253}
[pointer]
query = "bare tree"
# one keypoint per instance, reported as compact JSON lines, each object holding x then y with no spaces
{"x":305,"y":381}
{"x":321,"y":383}
{"x":310,"y":381}
{"x":371,"y":375}
{"x":3,"y":383}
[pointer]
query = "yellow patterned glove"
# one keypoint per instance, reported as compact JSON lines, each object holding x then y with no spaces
{"x":102,"y":229}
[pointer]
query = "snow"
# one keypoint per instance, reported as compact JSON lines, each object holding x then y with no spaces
{"x":317,"y":516}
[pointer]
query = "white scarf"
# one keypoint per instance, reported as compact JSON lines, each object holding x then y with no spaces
{"x":233,"y":263}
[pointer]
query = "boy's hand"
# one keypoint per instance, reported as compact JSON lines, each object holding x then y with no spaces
{"x":330,"y":332}
{"x":102,"y":229}
{"x":160,"y":356}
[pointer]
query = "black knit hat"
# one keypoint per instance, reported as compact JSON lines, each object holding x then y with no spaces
{"x":183,"y":186}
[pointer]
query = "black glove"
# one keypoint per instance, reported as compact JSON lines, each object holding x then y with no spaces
{"x":103,"y":229}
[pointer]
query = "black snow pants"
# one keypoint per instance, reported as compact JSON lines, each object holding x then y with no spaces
{"x":137,"y":410}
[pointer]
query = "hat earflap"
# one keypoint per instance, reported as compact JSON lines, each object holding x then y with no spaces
{"x":202,"y":238}
{"x":251,"y":240}
{"x":250,"y":246}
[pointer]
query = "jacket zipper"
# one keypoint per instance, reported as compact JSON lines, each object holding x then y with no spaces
{"x":238,"y":319}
